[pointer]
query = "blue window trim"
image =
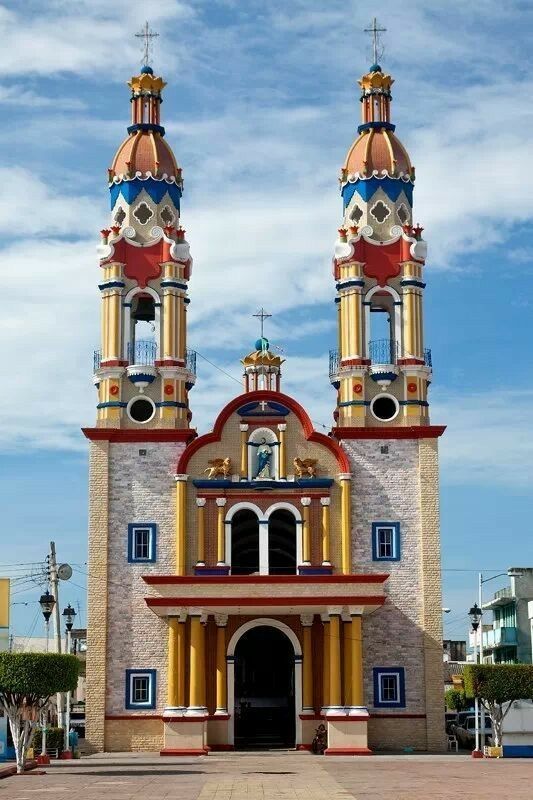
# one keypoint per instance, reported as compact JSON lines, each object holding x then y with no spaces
{"x":132,"y":526}
{"x":396,"y":541}
{"x":378,"y":672}
{"x":151,"y":674}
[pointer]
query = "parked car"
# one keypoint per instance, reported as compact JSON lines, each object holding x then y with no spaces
{"x":466,"y":732}
{"x":458,"y":721}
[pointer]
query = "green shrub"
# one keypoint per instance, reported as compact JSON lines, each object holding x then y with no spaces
{"x":55,"y":739}
{"x":456,"y":700}
{"x":496,"y":685}
{"x":38,"y":674}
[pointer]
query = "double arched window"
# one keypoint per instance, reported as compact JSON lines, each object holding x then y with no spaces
{"x":263,"y":543}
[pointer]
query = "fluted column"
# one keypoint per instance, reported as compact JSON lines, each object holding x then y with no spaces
{"x":181,"y":514}
{"x":346,"y":522}
{"x":221,"y":539}
{"x":325,"y":660}
{"x":221,"y":678}
{"x":347,"y":664}
{"x":244,"y":451}
{"x":306,"y":532}
{"x":307,"y":699}
{"x":282,"y":428}
{"x":335,"y":698}
{"x":356,"y":641}
{"x":197,"y":666}
{"x":176,"y":662}
{"x":325,"y":503}
{"x":200,"y":524}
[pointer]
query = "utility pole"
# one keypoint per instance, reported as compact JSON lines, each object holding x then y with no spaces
{"x":54,"y":583}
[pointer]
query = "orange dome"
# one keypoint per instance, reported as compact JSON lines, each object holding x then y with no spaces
{"x":377,"y":151}
{"x":144,"y":151}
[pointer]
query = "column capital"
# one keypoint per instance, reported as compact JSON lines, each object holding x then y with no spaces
{"x":282,"y":426}
{"x":305,"y":501}
{"x":325,"y":501}
{"x":324,"y":617}
{"x":345,"y":476}
{"x":201,"y":501}
{"x":221,"y":501}
{"x":196,"y":614}
{"x":307,"y":620}
{"x":183,"y":478}
{"x":181,"y":617}
{"x":221,"y":620}
{"x":243,"y":427}
{"x":335,"y":611}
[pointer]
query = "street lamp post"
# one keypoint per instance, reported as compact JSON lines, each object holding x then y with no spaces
{"x":475,"y":615}
{"x":47,"y":603}
{"x":69,"y":615}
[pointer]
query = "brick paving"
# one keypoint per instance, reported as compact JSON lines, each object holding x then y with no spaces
{"x":275,"y":776}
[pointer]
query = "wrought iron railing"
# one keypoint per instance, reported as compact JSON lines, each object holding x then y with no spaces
{"x":143,"y":352}
{"x":383,"y":351}
{"x":334,"y":362}
{"x":97,"y":357}
{"x":427,"y":357}
{"x":190,"y":361}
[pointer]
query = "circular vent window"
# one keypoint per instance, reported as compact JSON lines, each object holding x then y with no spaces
{"x":384,"y":407}
{"x":141,"y":409}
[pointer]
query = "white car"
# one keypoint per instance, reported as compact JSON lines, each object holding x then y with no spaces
{"x":466,"y":731}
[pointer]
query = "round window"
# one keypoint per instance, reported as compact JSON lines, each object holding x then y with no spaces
{"x":384,"y":407}
{"x":141,"y":409}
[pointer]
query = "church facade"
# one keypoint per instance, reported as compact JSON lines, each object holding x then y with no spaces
{"x":255,"y":582}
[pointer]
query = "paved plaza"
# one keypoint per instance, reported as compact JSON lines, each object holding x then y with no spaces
{"x":275,"y":776}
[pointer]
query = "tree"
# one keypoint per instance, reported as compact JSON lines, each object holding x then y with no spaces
{"x":497,"y":685}
{"x":27,"y":681}
{"x":456,"y":700}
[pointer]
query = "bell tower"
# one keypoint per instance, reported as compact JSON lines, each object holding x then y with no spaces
{"x":381,"y":369}
{"x":143,"y":370}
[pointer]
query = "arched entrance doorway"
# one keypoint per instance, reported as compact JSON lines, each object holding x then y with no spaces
{"x":264,"y":694}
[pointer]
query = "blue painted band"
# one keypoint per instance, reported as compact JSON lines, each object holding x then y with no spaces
{"x":171,"y":404}
{"x":367,"y":187}
{"x":354,"y":403}
{"x":142,"y":377}
{"x":298,"y":483}
{"x":156,"y":190}
{"x":112,"y":404}
{"x":274,"y":409}
{"x":146,"y":126}
{"x":346,"y":284}
{"x":175,"y":284}
{"x":381,"y":376}
{"x":376,"y":126}
{"x":111,"y":285}
{"x":412,"y":282}
{"x":414,"y":403}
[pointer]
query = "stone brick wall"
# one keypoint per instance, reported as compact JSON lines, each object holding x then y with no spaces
{"x":138,"y":735}
{"x":395,"y":734}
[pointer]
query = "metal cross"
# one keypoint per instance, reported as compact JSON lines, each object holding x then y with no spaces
{"x":262,"y":315}
{"x":146,"y":34}
{"x":263,"y":405}
{"x":375,"y":31}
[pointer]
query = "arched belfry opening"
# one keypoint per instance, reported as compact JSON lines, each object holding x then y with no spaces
{"x":143,"y":333}
{"x":244,"y":543}
{"x":264,"y":689}
{"x":282,"y":543}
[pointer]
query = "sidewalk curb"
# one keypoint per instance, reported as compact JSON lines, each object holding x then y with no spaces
{"x":11,"y":769}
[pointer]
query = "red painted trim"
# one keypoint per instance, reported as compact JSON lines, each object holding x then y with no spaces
{"x":310,"y":434}
{"x":184,"y":580}
{"x":222,"y":748}
{"x":347,"y":718}
{"x":355,"y":362}
{"x":202,"y":602}
{"x":168,"y":363}
{"x":126,"y":435}
{"x":170,"y":751}
{"x":407,"y":362}
{"x":398,"y":716}
{"x":348,"y":751}
{"x":311,"y":716}
{"x":133,"y":716}
{"x":113,"y":363}
{"x":215,"y":717}
{"x":411,"y":432}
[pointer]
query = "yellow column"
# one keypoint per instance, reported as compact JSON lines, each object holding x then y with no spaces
{"x":409,"y":345}
{"x":176,"y":662}
{"x":307,"y":622}
{"x":325,"y":502}
{"x":244,"y":450}
{"x":325,"y":661}
{"x":347,"y":665}
{"x":200,"y":524}
{"x":335,"y":698}
{"x":181,"y":325}
{"x":169,"y":324}
{"x":356,"y":642}
{"x":221,"y":534}
{"x":197,"y":664}
{"x":306,"y":532}
{"x":282,"y":427}
{"x":181,"y":511}
{"x":346,"y":522}
{"x":114,"y":305}
{"x":221,"y":682}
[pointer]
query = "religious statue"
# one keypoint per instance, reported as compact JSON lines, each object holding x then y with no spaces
{"x":264,"y":457}
{"x":305,"y":466}
{"x":218,"y":466}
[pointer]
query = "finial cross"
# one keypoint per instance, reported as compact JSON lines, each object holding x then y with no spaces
{"x":375,"y":31}
{"x":262,"y":315}
{"x":146,"y":34}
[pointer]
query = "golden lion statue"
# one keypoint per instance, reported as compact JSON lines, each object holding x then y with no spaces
{"x":305,"y":467}
{"x":218,"y":466}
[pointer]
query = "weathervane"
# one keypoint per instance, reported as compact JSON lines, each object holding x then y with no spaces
{"x":262,"y":315}
{"x":375,"y":31}
{"x":146,"y":34}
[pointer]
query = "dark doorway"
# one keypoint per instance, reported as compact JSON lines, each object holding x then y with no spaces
{"x":264,"y":690}
{"x":244,"y":543}
{"x":282,"y":543}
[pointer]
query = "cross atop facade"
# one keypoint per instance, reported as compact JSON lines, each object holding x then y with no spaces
{"x":262,"y":315}
{"x":146,"y":34}
{"x":375,"y":31}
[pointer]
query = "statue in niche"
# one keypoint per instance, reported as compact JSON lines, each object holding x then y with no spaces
{"x":264,"y":459}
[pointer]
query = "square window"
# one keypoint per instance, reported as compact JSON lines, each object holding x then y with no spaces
{"x":141,"y":542}
{"x":389,"y":687}
{"x":386,"y":541}
{"x":140,"y":688}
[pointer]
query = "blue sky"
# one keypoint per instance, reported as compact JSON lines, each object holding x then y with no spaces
{"x":261,"y":106}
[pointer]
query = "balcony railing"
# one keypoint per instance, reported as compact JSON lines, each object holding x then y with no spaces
{"x":502,"y":593}
{"x":143,"y":352}
{"x":97,"y":357}
{"x":190,"y":361}
{"x":334,"y":362}
{"x":383,"y":351}
{"x":500,"y":637}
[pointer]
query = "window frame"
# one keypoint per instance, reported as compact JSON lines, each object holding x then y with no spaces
{"x":152,"y":545}
{"x":131,"y":674}
{"x":399,"y":674}
{"x":396,"y":541}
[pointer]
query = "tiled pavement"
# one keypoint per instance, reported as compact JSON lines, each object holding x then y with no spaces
{"x":275,"y":776}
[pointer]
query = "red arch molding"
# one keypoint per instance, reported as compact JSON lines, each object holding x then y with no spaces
{"x":310,"y":434}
